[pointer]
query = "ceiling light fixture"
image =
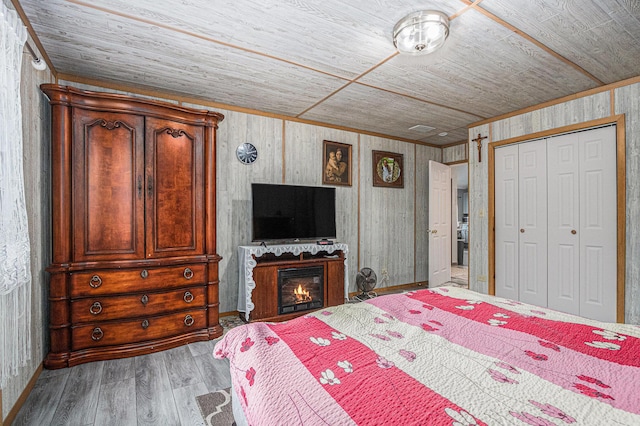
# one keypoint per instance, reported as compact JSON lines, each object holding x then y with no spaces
{"x":421,"y":32}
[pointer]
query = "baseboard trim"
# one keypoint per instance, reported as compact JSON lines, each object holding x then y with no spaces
{"x":395,"y":288}
{"x":23,"y":397}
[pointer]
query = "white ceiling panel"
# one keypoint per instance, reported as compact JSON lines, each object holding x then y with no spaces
{"x":125,"y":51}
{"x":292,"y":57}
{"x":481,"y":61}
{"x":379,"y":111}
{"x":602,"y":36}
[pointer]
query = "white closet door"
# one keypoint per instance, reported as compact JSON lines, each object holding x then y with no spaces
{"x":564,"y":223}
{"x":598,"y":229}
{"x":506,"y":221}
{"x":532,"y":206}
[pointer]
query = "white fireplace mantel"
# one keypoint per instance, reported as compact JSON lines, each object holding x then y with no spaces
{"x":246,"y":263}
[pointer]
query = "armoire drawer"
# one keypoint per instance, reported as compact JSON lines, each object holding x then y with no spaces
{"x":138,"y":330}
{"x":135,"y":305}
{"x":113,"y":281}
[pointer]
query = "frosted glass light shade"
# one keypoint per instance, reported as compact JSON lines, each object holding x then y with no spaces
{"x":421,"y":32}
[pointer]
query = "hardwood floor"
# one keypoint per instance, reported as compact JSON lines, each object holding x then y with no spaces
{"x":154,"y":389}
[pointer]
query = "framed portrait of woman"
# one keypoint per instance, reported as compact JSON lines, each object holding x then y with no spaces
{"x":388,"y":169}
{"x":336,"y":163}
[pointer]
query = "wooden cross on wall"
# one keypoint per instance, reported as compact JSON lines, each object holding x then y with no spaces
{"x":478,"y":140}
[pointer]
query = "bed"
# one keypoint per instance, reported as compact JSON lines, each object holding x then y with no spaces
{"x":435,"y":356}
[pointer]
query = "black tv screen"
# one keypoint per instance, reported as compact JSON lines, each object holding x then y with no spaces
{"x":292,"y":212}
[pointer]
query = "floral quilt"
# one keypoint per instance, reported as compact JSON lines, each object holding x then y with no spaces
{"x":444,"y":356}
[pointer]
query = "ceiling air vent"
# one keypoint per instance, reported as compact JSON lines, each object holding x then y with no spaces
{"x":421,"y":128}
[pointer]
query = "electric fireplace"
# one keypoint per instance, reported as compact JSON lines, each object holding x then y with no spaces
{"x":300,"y":289}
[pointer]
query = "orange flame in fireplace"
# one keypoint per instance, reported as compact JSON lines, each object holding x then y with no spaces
{"x":302,"y":295}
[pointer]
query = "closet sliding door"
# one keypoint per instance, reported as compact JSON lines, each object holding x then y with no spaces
{"x":507,"y":234}
{"x":521,"y":222}
{"x":555,"y":223}
{"x":532,"y":179}
{"x":582,"y":223}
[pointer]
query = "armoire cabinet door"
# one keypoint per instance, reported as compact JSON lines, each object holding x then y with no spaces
{"x":174,"y":189}
{"x":108,"y":198}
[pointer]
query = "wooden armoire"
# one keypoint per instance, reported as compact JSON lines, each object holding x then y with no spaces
{"x":134,"y":268}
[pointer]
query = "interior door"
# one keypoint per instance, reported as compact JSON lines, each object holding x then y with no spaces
{"x":439,"y":224}
{"x":454,"y":215}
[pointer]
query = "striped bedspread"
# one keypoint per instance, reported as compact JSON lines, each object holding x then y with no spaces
{"x":446,"y":356}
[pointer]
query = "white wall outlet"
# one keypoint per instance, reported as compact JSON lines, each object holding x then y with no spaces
{"x":482,"y":278}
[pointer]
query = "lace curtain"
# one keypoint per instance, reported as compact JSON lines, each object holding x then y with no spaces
{"x":15,"y":268}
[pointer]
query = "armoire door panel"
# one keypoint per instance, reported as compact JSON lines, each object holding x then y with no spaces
{"x":563,"y":223}
{"x":175,"y":190}
{"x":108,"y":204}
{"x":598,"y":231}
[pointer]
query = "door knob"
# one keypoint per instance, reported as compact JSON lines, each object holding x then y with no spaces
{"x":435,"y":231}
{"x":573,"y":231}
{"x":522,"y":230}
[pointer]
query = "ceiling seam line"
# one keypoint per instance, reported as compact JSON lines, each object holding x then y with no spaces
{"x":469,"y":5}
{"x":347,"y":84}
{"x":420,"y":100}
{"x":220,"y":105}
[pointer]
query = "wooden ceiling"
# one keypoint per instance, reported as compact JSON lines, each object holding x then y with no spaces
{"x":334,"y":61}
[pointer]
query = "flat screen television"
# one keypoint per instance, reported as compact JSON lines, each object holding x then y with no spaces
{"x":292,"y":212}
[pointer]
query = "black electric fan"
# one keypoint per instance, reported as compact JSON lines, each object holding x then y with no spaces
{"x":366,"y":281}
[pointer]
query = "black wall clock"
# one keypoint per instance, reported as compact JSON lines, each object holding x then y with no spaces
{"x":247,"y":153}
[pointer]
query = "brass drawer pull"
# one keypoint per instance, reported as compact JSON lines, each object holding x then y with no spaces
{"x":95,"y":281}
{"x":96,"y":308}
{"x":188,"y":273}
{"x":144,"y":299}
{"x":144,"y":273}
{"x":188,"y":320}
{"x":97,"y":334}
{"x":188,"y":297}
{"x":145,"y":324}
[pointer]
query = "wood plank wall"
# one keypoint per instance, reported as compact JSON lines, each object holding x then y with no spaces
{"x":455,"y":153}
{"x":383,"y":227}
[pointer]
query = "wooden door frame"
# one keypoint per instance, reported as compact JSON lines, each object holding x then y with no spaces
{"x":619,"y":121}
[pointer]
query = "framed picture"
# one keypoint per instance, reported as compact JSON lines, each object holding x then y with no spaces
{"x":336,"y":163}
{"x":388,"y":169}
